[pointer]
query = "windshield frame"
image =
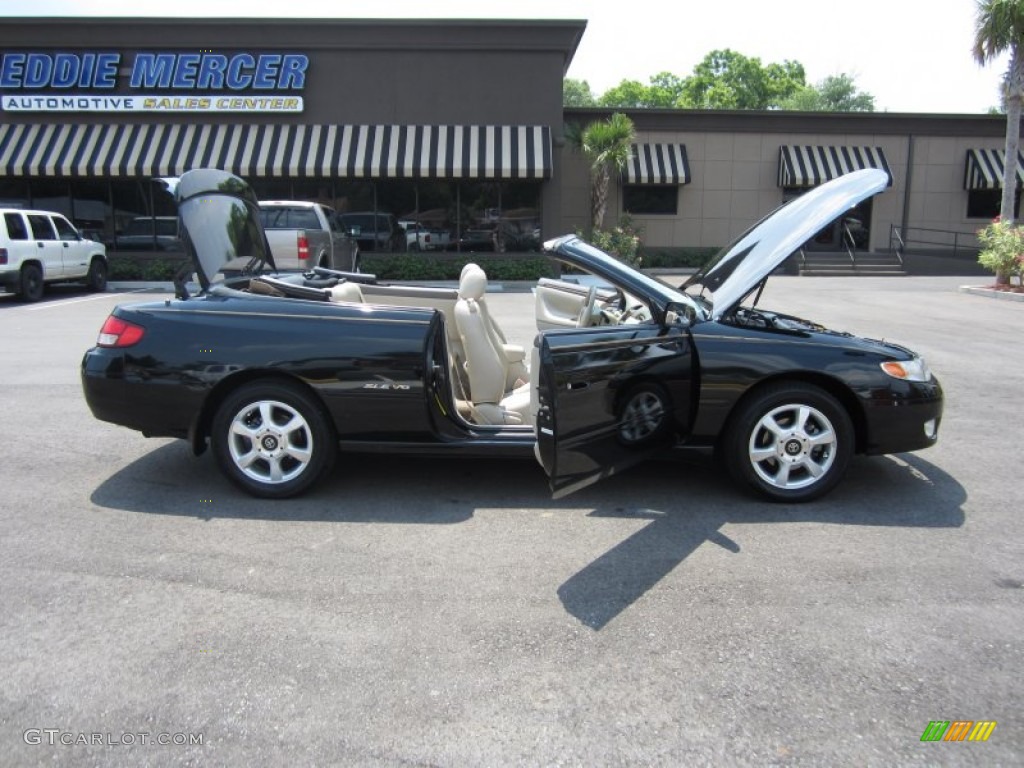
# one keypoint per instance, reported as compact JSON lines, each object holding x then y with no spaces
{"x":582,"y":255}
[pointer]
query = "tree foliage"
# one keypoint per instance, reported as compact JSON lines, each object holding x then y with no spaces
{"x":999,"y":28}
{"x":608,"y":146}
{"x":577,"y":93}
{"x":629,"y":94}
{"x":726,"y":79}
{"x":836,"y":93}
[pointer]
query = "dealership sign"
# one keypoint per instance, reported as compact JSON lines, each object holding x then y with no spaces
{"x":152,"y":82}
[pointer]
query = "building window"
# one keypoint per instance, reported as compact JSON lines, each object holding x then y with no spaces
{"x":14,"y":193}
{"x":650,"y":199}
{"x":985,"y":203}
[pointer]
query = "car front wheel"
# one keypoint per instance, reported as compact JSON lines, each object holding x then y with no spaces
{"x":96,"y":280}
{"x":791,"y":442}
{"x":272,"y":439}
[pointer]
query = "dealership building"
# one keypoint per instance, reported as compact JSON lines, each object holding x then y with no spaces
{"x":458,"y":125}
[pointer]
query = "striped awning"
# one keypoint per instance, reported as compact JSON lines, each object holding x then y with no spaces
{"x":657,"y":164}
{"x":984,"y":169}
{"x":325,"y":151}
{"x":806,"y":166}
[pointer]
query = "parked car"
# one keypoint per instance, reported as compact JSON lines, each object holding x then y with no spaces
{"x":149,"y":233}
{"x":623,"y":368}
{"x":40,"y":247}
{"x":374,"y":231}
{"x":303,"y":235}
{"x":479,"y":239}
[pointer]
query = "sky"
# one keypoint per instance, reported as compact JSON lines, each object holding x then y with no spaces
{"x":911,"y":55}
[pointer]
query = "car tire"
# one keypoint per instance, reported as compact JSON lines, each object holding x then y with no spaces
{"x":272,"y":439}
{"x":644,"y":415}
{"x":30,"y":287}
{"x":791,"y":442}
{"x":96,"y":279}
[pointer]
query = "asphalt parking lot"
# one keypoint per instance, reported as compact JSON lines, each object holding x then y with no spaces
{"x":444,"y":613}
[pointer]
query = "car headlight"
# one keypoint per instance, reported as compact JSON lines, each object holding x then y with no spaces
{"x":908,"y":370}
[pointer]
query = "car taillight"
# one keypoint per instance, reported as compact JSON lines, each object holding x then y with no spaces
{"x":303,"y":243}
{"x":119,"y":333}
{"x":3,"y":255}
{"x":426,"y":238}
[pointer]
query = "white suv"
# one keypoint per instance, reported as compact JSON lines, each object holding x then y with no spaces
{"x":38,"y":247}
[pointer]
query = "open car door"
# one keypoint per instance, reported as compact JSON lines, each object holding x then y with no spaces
{"x":609,"y":397}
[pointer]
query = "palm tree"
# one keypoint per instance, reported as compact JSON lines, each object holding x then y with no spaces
{"x":1000,"y":29}
{"x":608,"y":146}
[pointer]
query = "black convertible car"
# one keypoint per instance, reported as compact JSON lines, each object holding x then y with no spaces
{"x":278,"y":371}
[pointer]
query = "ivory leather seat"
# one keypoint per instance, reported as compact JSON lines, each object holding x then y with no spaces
{"x":514,"y":354}
{"x":489,"y":364}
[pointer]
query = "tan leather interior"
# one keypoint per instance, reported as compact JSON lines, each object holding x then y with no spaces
{"x":487,"y":362}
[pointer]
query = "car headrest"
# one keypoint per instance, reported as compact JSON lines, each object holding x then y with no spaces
{"x":472,"y":284}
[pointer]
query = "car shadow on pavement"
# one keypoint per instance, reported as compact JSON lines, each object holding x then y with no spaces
{"x":885,"y":491}
{"x":686,"y":498}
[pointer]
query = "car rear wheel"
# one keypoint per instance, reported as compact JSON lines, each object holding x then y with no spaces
{"x":792,"y":442}
{"x":96,"y":280}
{"x":272,"y":439}
{"x":31,"y":286}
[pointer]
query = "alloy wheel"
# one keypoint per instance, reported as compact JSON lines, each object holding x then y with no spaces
{"x":792,"y":446}
{"x":270,"y":442}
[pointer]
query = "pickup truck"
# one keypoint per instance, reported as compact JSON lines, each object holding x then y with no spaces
{"x":421,"y":238}
{"x":305,"y":235}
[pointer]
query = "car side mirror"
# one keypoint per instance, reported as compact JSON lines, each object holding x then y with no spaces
{"x":355,"y":231}
{"x":679,"y":314}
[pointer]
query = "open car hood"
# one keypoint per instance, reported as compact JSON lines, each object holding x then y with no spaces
{"x":220,"y":224}
{"x":740,"y":267}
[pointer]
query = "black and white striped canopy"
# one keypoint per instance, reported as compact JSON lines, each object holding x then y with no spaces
{"x":325,"y":151}
{"x":657,"y":164}
{"x":984,"y":169}
{"x":806,"y":166}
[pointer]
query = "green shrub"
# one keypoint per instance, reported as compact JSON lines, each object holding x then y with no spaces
{"x":1002,"y":251}
{"x":677,"y":258}
{"x":160,"y":269}
{"x":156,"y":270}
{"x":622,"y":241}
{"x":121,"y":268}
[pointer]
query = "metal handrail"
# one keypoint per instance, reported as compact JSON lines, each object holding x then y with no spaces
{"x":943,"y":238}
{"x":894,"y":231}
{"x":850,"y":244}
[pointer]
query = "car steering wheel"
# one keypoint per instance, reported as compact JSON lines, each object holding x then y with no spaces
{"x":586,"y":316}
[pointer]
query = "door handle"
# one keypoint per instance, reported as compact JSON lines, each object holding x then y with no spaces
{"x":39,"y":244}
{"x":573,"y":386}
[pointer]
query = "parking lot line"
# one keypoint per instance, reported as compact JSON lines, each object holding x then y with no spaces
{"x":79,"y":300}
